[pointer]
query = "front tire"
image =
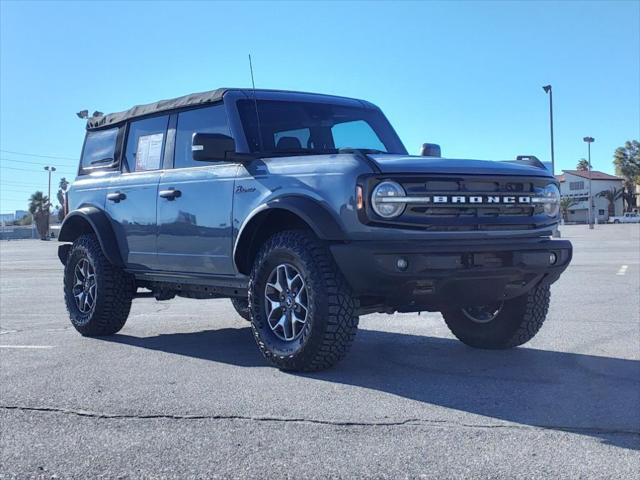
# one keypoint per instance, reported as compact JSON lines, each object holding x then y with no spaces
{"x":97,"y":294}
{"x":304,"y":317}
{"x":503,"y":325}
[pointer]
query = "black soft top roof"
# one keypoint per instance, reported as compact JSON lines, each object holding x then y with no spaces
{"x":195,"y":99}
{"x":211,"y":96}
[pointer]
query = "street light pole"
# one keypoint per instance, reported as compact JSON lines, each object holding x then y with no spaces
{"x":547,"y":89}
{"x":589,"y":141}
{"x":49,"y":169}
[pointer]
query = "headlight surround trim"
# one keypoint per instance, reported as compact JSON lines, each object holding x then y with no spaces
{"x":549,"y":196}
{"x":387,"y":188}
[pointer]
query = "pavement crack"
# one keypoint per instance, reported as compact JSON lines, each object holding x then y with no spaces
{"x":336,"y":423}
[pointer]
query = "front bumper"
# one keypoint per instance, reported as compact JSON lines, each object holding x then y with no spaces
{"x":443,"y":273}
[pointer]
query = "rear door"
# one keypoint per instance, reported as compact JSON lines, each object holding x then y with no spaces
{"x":132,"y":196}
{"x":195,"y":201}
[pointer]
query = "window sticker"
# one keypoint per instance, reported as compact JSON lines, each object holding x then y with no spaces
{"x":149,"y":151}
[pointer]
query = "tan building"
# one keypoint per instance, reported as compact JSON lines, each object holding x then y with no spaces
{"x":574,"y":184}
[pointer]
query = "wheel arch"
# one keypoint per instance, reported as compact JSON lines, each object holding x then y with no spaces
{"x":291,"y":212}
{"x":93,"y":221}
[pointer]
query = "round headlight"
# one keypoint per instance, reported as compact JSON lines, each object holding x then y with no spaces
{"x":550,"y":198}
{"x":387,"y":208}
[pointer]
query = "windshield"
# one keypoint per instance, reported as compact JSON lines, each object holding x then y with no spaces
{"x":306,"y":127}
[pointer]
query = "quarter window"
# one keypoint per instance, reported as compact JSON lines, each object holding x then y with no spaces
{"x":99,"y":148}
{"x":145,"y":144}
{"x":202,"y":120}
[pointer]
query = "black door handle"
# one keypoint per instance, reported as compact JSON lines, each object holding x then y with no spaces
{"x":116,"y":196}
{"x":170,"y":194}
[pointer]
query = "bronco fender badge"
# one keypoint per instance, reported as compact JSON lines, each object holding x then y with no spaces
{"x":242,"y":189}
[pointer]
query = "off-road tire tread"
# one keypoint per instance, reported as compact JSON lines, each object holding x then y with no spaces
{"x":530,"y":317}
{"x":535,"y":313}
{"x":342,"y":318}
{"x":116,"y":292}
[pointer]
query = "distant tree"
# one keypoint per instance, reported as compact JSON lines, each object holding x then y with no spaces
{"x":612,"y":195}
{"x":583,"y":165}
{"x":26,"y":220}
{"x":62,"y":189}
{"x":565,"y":204}
{"x":627,"y":162}
{"x":39,"y":209}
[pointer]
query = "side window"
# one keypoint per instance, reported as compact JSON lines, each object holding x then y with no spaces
{"x":356,"y":134}
{"x":202,"y":120}
{"x":99,"y":148}
{"x":145,"y":144}
{"x":293,"y":139}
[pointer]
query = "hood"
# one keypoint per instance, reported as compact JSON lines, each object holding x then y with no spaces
{"x":389,"y":163}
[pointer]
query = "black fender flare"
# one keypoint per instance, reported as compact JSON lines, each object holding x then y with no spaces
{"x":312,"y":212}
{"x":92,"y":220}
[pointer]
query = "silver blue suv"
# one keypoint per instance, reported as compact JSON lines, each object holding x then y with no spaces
{"x":307,"y":212}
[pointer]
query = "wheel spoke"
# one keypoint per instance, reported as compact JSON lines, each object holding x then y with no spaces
{"x":286,"y":302}
{"x":85,"y":287}
{"x":80,"y":300}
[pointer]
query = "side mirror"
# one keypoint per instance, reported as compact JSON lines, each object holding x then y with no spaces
{"x":430,"y":150}
{"x":212,"y":146}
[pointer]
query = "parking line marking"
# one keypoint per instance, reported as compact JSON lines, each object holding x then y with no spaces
{"x":623,"y":270}
{"x":27,"y":346}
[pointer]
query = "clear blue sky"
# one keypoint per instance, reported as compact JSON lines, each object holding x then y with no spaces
{"x":465,"y":75}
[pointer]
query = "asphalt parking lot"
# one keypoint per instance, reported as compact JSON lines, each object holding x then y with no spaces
{"x":182,"y":391}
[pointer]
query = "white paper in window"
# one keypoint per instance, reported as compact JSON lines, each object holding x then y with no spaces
{"x":149,"y":151}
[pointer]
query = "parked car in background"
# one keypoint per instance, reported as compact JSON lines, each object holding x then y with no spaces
{"x":629,"y":217}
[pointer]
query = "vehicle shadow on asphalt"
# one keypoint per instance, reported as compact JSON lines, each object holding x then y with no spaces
{"x":587,"y":394}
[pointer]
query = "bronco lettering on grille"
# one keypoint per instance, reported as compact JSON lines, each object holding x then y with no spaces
{"x":479,"y":199}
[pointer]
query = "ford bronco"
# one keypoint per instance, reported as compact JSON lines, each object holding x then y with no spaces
{"x":307,"y":212}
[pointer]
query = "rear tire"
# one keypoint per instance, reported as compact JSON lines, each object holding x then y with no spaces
{"x":313,"y":320}
{"x":97,"y":294}
{"x":241,"y":306}
{"x":516,"y":322}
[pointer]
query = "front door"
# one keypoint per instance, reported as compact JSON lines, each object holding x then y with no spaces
{"x":132,"y":195}
{"x":195,"y":202}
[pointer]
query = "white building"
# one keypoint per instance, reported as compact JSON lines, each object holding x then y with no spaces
{"x":574,"y":184}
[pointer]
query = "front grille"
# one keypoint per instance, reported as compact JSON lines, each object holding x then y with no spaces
{"x":469,"y":217}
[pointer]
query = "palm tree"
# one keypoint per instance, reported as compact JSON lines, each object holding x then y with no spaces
{"x":612,"y":195}
{"x":583,"y":165}
{"x":39,"y":209}
{"x":62,"y":187}
{"x":565,"y":204}
{"x":62,"y":191}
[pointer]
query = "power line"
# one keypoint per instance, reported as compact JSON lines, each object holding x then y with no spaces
{"x":11,"y":182}
{"x":26,"y":161}
{"x":26,"y":170}
{"x":37,"y":155}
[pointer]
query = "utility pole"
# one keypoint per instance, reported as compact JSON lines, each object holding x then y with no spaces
{"x":49,"y":169}
{"x":589,"y":141}
{"x":547,"y":89}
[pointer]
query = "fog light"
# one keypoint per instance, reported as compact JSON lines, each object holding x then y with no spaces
{"x":402,"y":264}
{"x":553,"y":258}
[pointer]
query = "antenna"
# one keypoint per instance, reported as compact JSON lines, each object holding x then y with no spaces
{"x":255,"y":102}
